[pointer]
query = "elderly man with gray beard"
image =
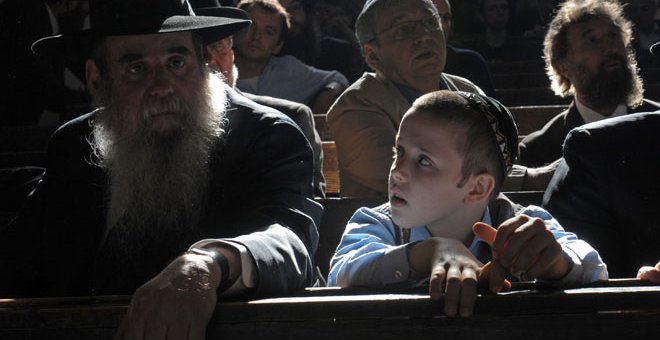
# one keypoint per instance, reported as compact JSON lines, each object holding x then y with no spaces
{"x":176,"y":189}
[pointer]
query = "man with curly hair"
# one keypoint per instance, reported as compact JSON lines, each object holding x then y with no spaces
{"x":589,"y":56}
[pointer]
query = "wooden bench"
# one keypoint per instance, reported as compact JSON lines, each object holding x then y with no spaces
{"x":521,"y":80}
{"x":531,"y":118}
{"x":330,"y":169}
{"x":500,"y":67}
{"x":530,"y":97}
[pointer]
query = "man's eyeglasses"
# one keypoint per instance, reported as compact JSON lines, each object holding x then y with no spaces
{"x":409,"y":29}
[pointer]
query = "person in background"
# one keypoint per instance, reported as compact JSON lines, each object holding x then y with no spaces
{"x":496,"y":41}
{"x":307,"y":41}
{"x":646,"y":32}
{"x":463,"y":62}
{"x":403,"y":42}
{"x":175,"y":189}
{"x":261,"y":72}
{"x":38,"y":90}
{"x":602,"y":190}
{"x":220,"y":57}
{"x":588,"y":55}
{"x":453,"y":151}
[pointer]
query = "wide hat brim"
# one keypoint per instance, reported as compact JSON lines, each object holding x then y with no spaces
{"x":217,"y":27}
{"x":226,"y":12}
{"x":655,"y":49}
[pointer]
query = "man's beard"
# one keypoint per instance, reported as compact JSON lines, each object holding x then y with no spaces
{"x":157,"y":181}
{"x":608,"y":89}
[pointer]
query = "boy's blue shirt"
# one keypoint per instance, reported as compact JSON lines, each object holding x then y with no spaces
{"x":368,"y":254}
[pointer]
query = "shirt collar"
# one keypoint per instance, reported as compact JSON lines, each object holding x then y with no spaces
{"x":411,"y":93}
{"x":589,"y":115}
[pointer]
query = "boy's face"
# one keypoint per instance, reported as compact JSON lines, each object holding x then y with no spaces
{"x":426,"y":173}
{"x":262,"y":39}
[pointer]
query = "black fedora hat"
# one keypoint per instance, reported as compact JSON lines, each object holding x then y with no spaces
{"x":133,"y":17}
{"x":213,"y":8}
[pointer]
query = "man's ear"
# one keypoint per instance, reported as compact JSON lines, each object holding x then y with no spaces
{"x":371,"y":56}
{"x":93,"y":76}
{"x":480,"y":187}
{"x":560,"y":68}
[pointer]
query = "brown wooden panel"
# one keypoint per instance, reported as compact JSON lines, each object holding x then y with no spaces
{"x":529,"y":96}
{"x":532,"y":117}
{"x":521,"y":80}
{"x":330,"y":168}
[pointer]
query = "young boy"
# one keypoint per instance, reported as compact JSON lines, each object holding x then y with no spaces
{"x":453,"y":150}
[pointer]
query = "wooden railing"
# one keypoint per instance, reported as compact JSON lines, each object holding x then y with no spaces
{"x":616,"y":309}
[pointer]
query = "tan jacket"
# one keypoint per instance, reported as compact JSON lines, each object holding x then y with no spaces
{"x":363,"y":122}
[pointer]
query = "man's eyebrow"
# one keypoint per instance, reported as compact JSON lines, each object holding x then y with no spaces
{"x":130,"y":57}
{"x":179,"y":50}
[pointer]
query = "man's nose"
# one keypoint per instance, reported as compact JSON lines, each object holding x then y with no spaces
{"x":161,"y":82}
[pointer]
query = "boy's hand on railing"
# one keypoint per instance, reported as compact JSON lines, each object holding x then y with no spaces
{"x":453,"y":273}
{"x":528,"y":250}
{"x":648,"y":273}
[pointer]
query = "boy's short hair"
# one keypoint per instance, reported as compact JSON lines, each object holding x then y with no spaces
{"x":273,"y":7}
{"x":490,"y":142}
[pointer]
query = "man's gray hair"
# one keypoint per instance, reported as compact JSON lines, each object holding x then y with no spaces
{"x":365,"y":23}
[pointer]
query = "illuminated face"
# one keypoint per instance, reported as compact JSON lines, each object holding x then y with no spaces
{"x":263,"y":38}
{"x":426,"y":173}
{"x":147,"y":70}
{"x":406,"y":48}
{"x":596,"y":63}
{"x":597,"y":46}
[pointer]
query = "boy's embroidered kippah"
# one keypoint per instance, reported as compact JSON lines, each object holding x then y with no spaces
{"x":499,"y":118}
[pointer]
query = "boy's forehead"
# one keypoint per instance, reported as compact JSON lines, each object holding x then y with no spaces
{"x":426,"y":125}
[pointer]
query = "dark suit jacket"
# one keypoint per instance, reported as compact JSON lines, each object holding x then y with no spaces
{"x":544,"y":146}
{"x":471,"y":65}
{"x":260,"y":195}
{"x":607,"y":190}
{"x":303,"y":116}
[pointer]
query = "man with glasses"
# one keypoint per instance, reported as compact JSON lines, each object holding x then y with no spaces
{"x":403,"y":42}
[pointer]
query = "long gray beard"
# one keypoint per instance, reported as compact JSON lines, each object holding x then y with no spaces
{"x":157,"y":182}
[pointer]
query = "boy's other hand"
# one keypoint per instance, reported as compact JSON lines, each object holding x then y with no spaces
{"x":524,"y":246}
{"x":493,"y":273}
{"x":453,"y":272}
{"x":648,"y":273}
